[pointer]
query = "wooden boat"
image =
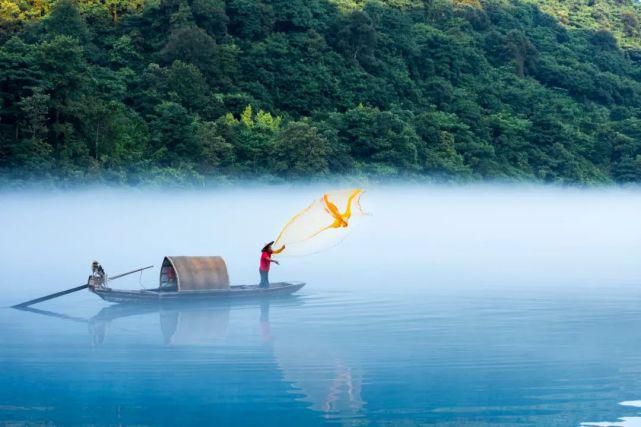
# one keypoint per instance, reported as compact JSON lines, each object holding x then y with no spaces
{"x":159,"y":296}
{"x":190,"y":279}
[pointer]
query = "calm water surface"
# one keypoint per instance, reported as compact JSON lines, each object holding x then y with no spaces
{"x":459,"y":358}
{"x":381,"y":335}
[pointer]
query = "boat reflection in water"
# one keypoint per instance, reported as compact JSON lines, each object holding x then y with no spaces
{"x":201,"y":327}
{"x":319,"y":373}
{"x":180,"y":325}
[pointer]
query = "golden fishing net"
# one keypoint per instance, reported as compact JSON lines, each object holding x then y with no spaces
{"x":322,"y":224}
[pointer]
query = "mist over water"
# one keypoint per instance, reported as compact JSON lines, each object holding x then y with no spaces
{"x":415,"y":236}
{"x":463,"y":305}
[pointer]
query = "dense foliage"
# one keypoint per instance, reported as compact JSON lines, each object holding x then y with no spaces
{"x":125,"y":90}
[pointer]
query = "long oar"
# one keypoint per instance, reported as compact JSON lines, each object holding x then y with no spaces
{"x":76,"y":289}
{"x":52,"y":296}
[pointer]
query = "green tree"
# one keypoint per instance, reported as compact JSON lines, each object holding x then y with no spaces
{"x":301,"y":151}
{"x":35,"y":109}
{"x":217,"y":154}
{"x":65,"y":20}
{"x":250,"y":19}
{"x":173,"y":135}
{"x":187,"y":85}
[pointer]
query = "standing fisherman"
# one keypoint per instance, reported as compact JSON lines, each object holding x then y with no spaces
{"x":265,"y":263}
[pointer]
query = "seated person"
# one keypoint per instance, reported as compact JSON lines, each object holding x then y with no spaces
{"x":168,"y":280}
{"x":98,"y":276}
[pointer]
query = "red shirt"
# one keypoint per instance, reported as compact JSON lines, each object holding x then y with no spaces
{"x":265,"y":261}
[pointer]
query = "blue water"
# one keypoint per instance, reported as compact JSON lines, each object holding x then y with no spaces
{"x":469,"y":358}
{"x":451,"y":320}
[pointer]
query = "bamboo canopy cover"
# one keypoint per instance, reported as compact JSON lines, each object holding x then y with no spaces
{"x":198,"y":273}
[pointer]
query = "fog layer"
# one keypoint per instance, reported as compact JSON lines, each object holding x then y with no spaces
{"x":427,"y":237}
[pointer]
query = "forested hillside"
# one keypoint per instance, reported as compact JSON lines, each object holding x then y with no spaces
{"x":179,"y":90}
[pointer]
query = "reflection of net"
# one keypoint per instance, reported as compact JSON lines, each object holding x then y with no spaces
{"x":322,"y":224}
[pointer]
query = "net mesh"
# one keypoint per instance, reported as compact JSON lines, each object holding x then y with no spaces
{"x":322,"y":224}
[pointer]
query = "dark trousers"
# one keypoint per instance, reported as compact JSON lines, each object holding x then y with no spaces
{"x":264,"y":279}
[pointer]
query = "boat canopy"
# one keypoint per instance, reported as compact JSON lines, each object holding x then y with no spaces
{"x":194,"y":273}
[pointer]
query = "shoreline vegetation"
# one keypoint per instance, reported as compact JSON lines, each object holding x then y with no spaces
{"x":207,"y":92}
{"x":371,"y":183}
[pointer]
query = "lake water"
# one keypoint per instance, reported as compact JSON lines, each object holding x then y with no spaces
{"x":450,"y":306}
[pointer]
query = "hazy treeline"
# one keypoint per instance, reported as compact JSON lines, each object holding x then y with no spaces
{"x":185,"y":89}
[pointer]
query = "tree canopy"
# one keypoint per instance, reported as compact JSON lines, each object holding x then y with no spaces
{"x":134,"y":90}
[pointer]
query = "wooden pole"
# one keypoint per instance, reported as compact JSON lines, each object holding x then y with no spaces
{"x":130,"y":272}
{"x":51,"y":296}
{"x":76,"y":289}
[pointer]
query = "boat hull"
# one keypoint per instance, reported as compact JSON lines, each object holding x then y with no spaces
{"x":144,"y":296}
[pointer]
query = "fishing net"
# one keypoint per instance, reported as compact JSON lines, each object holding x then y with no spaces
{"x":321,"y":225}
